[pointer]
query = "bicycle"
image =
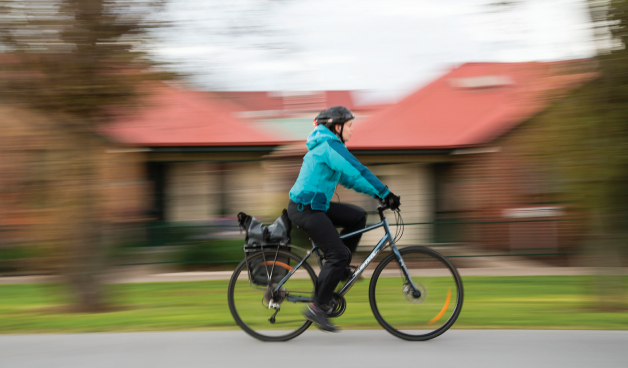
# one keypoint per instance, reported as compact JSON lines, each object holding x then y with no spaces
{"x":418,"y":297}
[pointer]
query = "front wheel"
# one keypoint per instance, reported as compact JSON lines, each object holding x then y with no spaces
{"x":420,"y":314}
{"x":251,"y":289}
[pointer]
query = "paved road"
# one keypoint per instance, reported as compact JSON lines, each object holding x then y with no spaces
{"x":456,"y":348}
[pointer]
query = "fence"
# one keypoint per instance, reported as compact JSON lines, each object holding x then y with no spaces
{"x":190,"y":245}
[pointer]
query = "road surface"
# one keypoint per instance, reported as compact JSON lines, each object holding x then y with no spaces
{"x":369,"y":348}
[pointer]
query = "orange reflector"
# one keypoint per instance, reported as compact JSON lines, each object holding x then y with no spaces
{"x":280,"y":264}
{"x":442,"y":311}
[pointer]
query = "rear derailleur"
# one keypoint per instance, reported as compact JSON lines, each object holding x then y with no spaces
{"x":273,"y":299}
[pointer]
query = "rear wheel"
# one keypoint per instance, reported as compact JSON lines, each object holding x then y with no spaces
{"x":251,"y":292}
{"x":409,"y":314}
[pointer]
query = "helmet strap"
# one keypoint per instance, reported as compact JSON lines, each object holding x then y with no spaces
{"x":342,"y":128}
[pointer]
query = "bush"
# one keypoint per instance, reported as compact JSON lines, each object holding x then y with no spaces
{"x":211,"y":254}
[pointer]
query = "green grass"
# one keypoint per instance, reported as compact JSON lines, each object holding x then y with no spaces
{"x":537,"y":302}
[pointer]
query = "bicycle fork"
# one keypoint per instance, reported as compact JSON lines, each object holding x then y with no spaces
{"x":416,"y":293}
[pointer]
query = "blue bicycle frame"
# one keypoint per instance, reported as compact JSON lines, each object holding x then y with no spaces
{"x":387,"y":238}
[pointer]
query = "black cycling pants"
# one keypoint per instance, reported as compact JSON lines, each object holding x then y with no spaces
{"x":321,"y":227}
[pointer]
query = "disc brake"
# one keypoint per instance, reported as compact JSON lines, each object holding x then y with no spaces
{"x":411,"y":295}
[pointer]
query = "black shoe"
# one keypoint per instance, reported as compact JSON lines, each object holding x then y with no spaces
{"x":349,"y":272}
{"x":318,"y":317}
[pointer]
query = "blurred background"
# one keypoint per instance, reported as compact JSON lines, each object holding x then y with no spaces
{"x":134,"y":131}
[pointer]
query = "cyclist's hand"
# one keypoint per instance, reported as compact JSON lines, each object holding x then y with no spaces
{"x":392,"y":201}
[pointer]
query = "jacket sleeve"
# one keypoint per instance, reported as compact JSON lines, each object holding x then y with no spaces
{"x":357,"y":185}
{"x":354,"y":175}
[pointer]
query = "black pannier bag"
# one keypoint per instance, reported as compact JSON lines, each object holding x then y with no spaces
{"x":270,"y":237}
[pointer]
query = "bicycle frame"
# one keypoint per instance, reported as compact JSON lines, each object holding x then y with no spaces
{"x":387,"y":238}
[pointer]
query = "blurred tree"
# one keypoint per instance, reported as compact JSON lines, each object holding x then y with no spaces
{"x":76,"y":61}
{"x":585,"y":139}
{"x":606,"y":140}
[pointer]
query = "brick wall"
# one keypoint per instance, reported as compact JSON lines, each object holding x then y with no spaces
{"x":483,"y":184}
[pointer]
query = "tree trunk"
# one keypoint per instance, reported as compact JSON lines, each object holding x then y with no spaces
{"x":608,"y":285}
{"x":80,"y":239}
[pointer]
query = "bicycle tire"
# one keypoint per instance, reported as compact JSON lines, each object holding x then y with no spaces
{"x":242,"y":299}
{"x":403,"y":314}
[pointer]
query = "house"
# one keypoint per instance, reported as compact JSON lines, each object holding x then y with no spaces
{"x":454,"y":150}
{"x":460,"y":146}
{"x":205,"y":151}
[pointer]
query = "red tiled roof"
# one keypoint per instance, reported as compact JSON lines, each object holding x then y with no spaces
{"x":284,"y":101}
{"x":175,"y":117}
{"x":340,"y":98}
{"x":469,"y":106}
{"x":250,"y":100}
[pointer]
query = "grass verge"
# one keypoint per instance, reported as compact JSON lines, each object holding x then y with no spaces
{"x":531,"y":302}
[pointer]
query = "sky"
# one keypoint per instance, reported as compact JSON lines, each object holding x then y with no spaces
{"x":386,"y":49}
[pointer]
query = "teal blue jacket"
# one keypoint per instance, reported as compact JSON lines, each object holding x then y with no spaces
{"x":326,"y":164}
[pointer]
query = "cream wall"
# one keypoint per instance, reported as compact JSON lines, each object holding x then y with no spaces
{"x":191,"y":191}
{"x":259,"y":189}
{"x":413,"y":182}
{"x":245,"y":188}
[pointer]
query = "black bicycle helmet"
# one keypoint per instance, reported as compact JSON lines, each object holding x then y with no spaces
{"x":332,"y":116}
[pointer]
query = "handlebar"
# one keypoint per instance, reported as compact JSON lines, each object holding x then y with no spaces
{"x":399,"y":221}
{"x":383,"y":206}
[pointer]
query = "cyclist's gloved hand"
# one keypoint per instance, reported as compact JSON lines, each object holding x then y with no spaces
{"x":392,"y":201}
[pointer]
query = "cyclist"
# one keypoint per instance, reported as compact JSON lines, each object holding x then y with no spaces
{"x":327,"y":163}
